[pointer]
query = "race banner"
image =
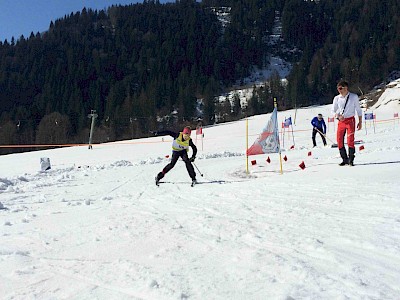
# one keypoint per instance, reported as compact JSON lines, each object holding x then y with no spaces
{"x":268,"y":140}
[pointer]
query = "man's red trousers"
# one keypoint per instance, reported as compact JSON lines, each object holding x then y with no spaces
{"x":349,"y":125}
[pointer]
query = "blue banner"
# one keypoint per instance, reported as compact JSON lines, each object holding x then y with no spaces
{"x":288,"y":121}
{"x":368,"y":116}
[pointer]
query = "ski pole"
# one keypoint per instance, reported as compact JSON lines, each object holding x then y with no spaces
{"x":198,"y":169}
{"x":329,"y":138}
{"x":324,"y":135}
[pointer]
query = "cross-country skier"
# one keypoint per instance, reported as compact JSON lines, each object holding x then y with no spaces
{"x":180,"y":148}
{"x":319,"y":126}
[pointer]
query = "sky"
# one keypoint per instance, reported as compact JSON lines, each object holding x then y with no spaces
{"x":21,"y":17}
{"x":95,"y":226}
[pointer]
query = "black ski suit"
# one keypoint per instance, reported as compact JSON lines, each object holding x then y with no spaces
{"x":179,"y":152}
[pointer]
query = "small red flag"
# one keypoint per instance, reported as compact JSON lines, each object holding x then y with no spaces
{"x":361,"y":147}
{"x":292,"y":147}
{"x":309,"y":153}
{"x":302,"y":165}
{"x":167,"y":156}
{"x":285,"y":158}
{"x":268,"y":160}
{"x":253,"y":162}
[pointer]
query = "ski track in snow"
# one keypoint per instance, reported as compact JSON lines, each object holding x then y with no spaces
{"x":105,"y":231}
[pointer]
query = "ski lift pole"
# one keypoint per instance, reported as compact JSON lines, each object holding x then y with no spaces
{"x":92,"y":115}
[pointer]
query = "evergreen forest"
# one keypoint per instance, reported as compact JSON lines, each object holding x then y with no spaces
{"x":151,"y":66}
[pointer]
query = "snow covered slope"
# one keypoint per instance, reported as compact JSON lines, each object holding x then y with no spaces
{"x":95,"y":226}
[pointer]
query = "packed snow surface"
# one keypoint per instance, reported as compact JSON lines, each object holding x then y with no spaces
{"x":95,"y":226}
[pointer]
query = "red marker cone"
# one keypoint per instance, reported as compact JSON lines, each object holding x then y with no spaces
{"x":268,"y":160}
{"x":309,"y":153}
{"x":361,"y":147}
{"x":253,"y":162}
{"x":302,"y":165}
{"x":285,"y":158}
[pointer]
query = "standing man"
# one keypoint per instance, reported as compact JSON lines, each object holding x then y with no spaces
{"x":344,"y":107}
{"x":180,"y":148}
{"x":319,"y":126}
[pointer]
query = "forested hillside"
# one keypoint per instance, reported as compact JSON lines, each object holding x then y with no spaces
{"x":356,"y":40}
{"x":146,"y":66}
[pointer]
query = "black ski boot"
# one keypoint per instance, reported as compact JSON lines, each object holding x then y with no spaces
{"x":194,"y":181}
{"x":158,"y":178}
{"x":343,"y":154}
{"x":352,"y":151}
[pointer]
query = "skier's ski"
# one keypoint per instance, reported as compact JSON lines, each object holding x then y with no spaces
{"x":194,"y":183}
{"x":159,"y":182}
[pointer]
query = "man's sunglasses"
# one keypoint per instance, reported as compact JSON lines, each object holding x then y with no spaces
{"x":340,"y":88}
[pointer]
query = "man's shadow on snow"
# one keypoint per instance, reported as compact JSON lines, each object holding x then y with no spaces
{"x":361,"y":164}
{"x":324,"y":164}
{"x":378,"y":163}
